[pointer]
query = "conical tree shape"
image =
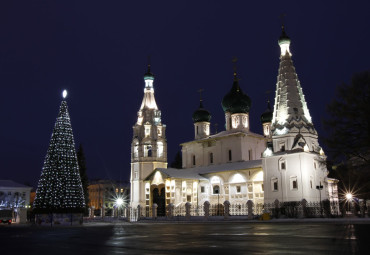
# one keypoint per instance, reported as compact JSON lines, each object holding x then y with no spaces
{"x":59,"y":188}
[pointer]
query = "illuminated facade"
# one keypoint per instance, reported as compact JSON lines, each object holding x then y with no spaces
{"x":293,"y":163}
{"x":216,"y":167}
{"x":237,"y":165}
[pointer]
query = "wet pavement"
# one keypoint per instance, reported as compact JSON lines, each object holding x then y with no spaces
{"x":189,"y":238}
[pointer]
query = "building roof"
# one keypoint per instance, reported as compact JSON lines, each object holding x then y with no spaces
{"x":12,"y":184}
{"x":196,"y":173}
{"x":226,"y":133}
{"x":290,"y":109}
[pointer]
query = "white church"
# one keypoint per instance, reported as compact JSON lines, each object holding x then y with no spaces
{"x":235,"y":165}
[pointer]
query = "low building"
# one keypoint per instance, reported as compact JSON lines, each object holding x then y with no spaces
{"x":103,"y":195}
{"x":14,"y":195}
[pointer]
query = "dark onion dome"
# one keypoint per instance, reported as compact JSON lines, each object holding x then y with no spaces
{"x":267,"y":115}
{"x":201,"y":114}
{"x":148,"y":74}
{"x":284,"y":38}
{"x":236,"y":101}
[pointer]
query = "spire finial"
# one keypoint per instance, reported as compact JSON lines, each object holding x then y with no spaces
{"x":200,"y":98}
{"x":234,"y":60}
{"x":148,"y":63}
{"x":282,"y":16}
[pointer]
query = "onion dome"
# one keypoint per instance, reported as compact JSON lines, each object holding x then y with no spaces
{"x":236,"y":101}
{"x":201,"y":114}
{"x":284,"y":38}
{"x":148,"y":75}
{"x":267,"y":115}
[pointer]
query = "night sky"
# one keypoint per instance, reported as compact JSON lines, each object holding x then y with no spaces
{"x":98,"y":50}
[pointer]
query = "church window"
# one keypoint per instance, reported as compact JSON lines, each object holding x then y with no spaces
{"x":282,"y":147}
{"x":216,"y":189}
{"x":230,"y":155}
{"x":282,"y":165}
{"x":293,"y":183}
{"x":311,"y":181}
{"x":194,"y":160}
{"x":262,"y":188}
{"x":314,"y":164}
{"x":147,"y":130}
{"x":188,"y":198}
{"x":250,"y":155}
{"x":211,"y":158}
{"x":148,"y":150}
{"x":159,"y":149}
{"x":202,"y":190}
{"x":238,"y":189}
{"x":159,"y":131}
{"x":274,"y":184}
{"x":197,"y":129}
{"x":136,"y":150}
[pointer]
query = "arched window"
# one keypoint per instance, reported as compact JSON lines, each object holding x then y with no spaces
{"x":136,"y":149}
{"x":159,"y":149}
{"x":147,"y":150}
{"x":216,"y":189}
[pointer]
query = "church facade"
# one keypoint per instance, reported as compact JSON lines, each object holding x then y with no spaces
{"x":235,"y":165}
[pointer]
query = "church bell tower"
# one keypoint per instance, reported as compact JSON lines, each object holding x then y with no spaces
{"x":149,"y":145}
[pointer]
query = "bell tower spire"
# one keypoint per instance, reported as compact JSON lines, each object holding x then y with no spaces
{"x":149,"y":145}
{"x":291,"y":115}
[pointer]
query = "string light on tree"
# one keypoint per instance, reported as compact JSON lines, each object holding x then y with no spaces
{"x":59,"y":188}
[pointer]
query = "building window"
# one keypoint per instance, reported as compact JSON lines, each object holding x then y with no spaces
{"x":238,"y":189}
{"x":282,"y":165}
{"x":282,"y":147}
{"x":311,"y":184}
{"x":197,"y":129}
{"x":216,"y":189}
{"x":230,"y":155}
{"x":188,"y":198}
{"x":274,"y":184}
{"x":262,"y":188}
{"x":193,"y":160}
{"x":293,"y":182}
{"x":211,"y":158}
{"x":159,"y":149}
{"x":250,"y":154}
{"x":202,"y":189}
{"x":314,"y":164}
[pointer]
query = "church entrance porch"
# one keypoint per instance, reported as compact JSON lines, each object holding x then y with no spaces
{"x":158,"y":197}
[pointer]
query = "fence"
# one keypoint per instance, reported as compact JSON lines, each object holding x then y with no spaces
{"x":277,"y":209}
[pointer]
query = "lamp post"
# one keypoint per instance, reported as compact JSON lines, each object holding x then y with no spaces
{"x":319,"y":188}
{"x":349,"y":199}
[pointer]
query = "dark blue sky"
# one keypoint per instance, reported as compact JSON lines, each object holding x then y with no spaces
{"x":98,"y":50}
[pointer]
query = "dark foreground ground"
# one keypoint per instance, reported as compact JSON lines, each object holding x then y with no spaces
{"x":191,"y":238}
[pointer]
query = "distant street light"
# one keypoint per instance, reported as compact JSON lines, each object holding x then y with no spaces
{"x":119,"y":201}
{"x":349,"y":197}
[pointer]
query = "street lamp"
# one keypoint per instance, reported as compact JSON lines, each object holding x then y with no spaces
{"x":349,"y":197}
{"x":319,"y":188}
{"x":118,"y":203}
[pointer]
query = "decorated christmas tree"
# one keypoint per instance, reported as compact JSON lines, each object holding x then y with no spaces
{"x":59,"y":189}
